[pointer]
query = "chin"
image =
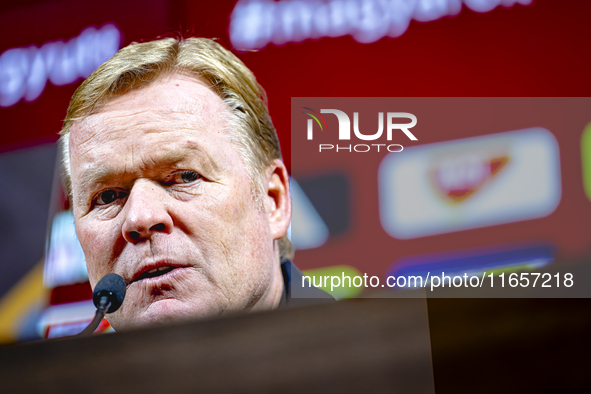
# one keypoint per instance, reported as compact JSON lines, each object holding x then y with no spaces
{"x":161,"y":312}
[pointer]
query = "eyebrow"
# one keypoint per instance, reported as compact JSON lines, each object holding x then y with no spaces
{"x":97,"y":175}
{"x":170,"y":157}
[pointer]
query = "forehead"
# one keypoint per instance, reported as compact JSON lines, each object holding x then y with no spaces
{"x":175,"y":104}
{"x":161,"y":118}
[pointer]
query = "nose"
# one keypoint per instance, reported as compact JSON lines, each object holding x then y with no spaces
{"x":146,"y":213}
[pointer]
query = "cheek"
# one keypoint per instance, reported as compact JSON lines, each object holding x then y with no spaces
{"x":97,"y":242}
{"x":220,"y":209}
{"x":232,"y":223}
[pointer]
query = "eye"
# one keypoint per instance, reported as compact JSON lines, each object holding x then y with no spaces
{"x":109,"y":196}
{"x":186,"y":177}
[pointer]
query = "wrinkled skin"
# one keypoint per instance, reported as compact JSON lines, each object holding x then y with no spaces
{"x":157,"y":182}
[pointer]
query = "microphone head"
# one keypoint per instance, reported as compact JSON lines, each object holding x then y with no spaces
{"x":113,"y":287}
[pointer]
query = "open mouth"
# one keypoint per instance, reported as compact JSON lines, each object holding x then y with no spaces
{"x":154,"y":272}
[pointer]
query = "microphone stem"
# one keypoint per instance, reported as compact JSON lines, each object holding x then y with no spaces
{"x":93,"y":324}
{"x":103,"y":307}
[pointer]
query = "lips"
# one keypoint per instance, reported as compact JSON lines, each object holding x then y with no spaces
{"x":155,"y":270}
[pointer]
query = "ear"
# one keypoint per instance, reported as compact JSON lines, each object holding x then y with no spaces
{"x":277,"y":199}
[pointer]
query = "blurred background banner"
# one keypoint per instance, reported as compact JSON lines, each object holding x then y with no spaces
{"x":256,"y":23}
{"x":418,"y":186}
{"x":324,"y":48}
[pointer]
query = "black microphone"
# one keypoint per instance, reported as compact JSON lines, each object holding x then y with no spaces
{"x":108,"y":296}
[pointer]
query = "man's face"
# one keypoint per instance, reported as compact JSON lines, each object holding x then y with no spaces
{"x":161,"y":197}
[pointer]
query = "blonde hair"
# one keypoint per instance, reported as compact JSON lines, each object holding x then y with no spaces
{"x":139,"y":64}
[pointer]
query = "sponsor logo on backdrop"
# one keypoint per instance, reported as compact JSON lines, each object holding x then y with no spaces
{"x":470,"y":183}
{"x":494,"y":259}
{"x":256,"y":23}
{"x":586,"y":159}
{"x":24,"y":72}
{"x":458,"y":177}
{"x":390,"y":119}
